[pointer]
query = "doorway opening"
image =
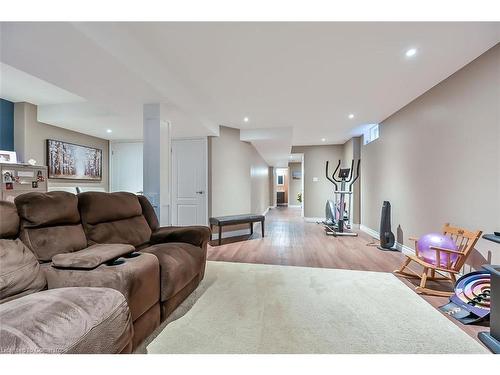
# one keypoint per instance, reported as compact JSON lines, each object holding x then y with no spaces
{"x":281,"y":186}
{"x":296,"y":181}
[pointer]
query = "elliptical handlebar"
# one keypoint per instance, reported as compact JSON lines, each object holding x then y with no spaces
{"x":335,"y":172}
{"x":333,"y":181}
{"x":351,"y":172}
{"x":353,"y":176}
{"x":357,"y":174}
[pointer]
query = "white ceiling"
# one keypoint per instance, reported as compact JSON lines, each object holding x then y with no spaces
{"x":274,"y":144}
{"x":305,"y":77}
{"x":18,"y":86}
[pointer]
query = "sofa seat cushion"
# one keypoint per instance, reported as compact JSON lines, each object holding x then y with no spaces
{"x":133,"y":231}
{"x":179,"y":264}
{"x":20,"y":272}
{"x":91,"y":257}
{"x":137,"y":278}
{"x":49,"y":241}
{"x":67,"y":320}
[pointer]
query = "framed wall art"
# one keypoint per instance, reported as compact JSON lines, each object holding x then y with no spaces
{"x":70,"y":161}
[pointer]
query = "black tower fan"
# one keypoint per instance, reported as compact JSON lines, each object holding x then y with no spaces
{"x":387,"y":240}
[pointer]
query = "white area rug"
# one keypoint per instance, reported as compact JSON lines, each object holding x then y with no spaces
{"x":249,"y":308}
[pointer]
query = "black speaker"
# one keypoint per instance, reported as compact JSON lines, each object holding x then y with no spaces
{"x":492,"y":339}
{"x":387,"y":239}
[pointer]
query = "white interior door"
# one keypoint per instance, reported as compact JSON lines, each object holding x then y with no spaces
{"x":126,"y":166}
{"x":189,"y":181}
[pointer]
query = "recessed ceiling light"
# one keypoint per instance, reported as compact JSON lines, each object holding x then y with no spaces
{"x":109,"y":131}
{"x":245,"y":119}
{"x":411,"y":52}
{"x":351,"y":116}
{"x":323,"y":139}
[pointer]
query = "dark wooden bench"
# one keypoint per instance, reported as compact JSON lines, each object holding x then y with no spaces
{"x":222,"y":221}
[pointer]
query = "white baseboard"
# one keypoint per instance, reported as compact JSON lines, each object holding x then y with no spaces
{"x":403,"y":248}
{"x":295,"y":206}
{"x":369,"y":231}
{"x":266,"y":211}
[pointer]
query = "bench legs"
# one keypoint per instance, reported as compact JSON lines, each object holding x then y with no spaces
{"x":220,"y":231}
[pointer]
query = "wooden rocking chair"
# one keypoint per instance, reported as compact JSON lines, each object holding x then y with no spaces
{"x":465,"y":241}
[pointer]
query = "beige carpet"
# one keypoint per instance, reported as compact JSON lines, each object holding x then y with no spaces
{"x":250,"y":308}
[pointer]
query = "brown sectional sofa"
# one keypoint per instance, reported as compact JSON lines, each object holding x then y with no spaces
{"x":65,"y":320}
{"x":113,"y":241}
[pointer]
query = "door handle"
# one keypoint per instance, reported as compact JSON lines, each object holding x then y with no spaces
{"x":200,"y":192}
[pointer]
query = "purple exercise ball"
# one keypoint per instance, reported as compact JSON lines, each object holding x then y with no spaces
{"x":439,"y":240}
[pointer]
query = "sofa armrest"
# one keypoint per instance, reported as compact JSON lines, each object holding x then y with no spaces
{"x":91,"y":257}
{"x":194,"y":235}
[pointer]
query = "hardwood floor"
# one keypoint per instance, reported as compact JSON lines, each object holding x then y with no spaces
{"x":293,"y":242}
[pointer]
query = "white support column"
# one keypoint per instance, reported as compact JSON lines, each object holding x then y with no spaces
{"x":156,"y":159}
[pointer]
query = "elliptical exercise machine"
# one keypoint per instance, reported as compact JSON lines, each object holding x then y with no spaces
{"x":338,"y":210}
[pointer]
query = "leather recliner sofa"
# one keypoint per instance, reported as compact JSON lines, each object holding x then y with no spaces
{"x":128,"y":218}
{"x":65,"y":320}
{"x":113,"y":240}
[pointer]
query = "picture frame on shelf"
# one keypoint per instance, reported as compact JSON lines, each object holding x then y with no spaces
{"x":8,"y":157}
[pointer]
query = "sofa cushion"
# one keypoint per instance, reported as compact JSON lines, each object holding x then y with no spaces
{"x":97,"y":207}
{"x":47,"y":242}
{"x":179,"y":264}
{"x":48,"y":209}
{"x":67,"y":320}
{"x":133,"y":231}
{"x":50,"y":223}
{"x":137,"y":278}
{"x":9,"y":220}
{"x":20,"y":272}
{"x":91,"y":257}
{"x":113,"y":218}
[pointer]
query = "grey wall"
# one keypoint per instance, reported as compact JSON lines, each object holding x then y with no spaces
{"x":239,"y":177}
{"x":316,"y":193}
{"x":295,"y":186}
{"x":438,"y":159}
{"x":30,"y":142}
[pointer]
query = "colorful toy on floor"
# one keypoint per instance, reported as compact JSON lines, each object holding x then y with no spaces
{"x":471,"y":301}
{"x":426,"y":251}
